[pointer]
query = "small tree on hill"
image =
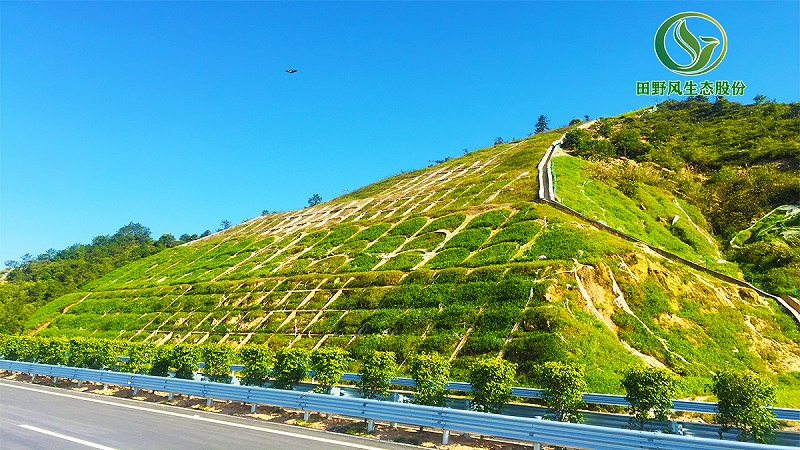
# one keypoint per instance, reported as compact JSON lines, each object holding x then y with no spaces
{"x":575,"y":121}
{"x":491,"y":380}
{"x":650,"y":391}
{"x":225,"y":224}
{"x":377,"y":371}
{"x":291,"y":366}
{"x":314,"y":200}
{"x":564,"y":386}
{"x":328,"y":364}
{"x":744,"y":402}
{"x":542,"y":124}
{"x":430,"y":372}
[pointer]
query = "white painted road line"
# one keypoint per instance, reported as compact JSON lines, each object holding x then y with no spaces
{"x":67,"y":438}
{"x":196,"y":417}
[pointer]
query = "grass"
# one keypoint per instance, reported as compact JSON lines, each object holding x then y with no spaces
{"x":472,"y":281}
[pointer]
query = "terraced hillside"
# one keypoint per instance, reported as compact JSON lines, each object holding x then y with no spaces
{"x":456,"y":258}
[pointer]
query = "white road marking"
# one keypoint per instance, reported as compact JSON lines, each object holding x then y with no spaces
{"x":66,"y":438}
{"x":195,"y":417}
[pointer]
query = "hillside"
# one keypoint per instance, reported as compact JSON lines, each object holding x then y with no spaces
{"x":456,"y":258}
{"x":30,"y":283}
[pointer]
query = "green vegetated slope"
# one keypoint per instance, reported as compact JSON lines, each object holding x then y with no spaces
{"x":455,"y":258}
{"x":718,"y":167}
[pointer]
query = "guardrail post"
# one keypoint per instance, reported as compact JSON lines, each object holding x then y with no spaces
{"x":253,"y":407}
{"x":208,"y":401}
{"x":306,"y":415}
{"x":55,"y":380}
{"x":169,"y":397}
{"x":33,"y":377}
{"x":135,"y":391}
{"x":445,"y":437}
{"x":105,"y":386}
{"x":80,"y":382}
{"x":370,"y":425}
{"x":537,"y":446}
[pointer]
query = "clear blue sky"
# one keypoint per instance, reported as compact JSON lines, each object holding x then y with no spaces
{"x":178,"y":115}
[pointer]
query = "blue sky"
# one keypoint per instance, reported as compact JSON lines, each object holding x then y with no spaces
{"x":178,"y":115}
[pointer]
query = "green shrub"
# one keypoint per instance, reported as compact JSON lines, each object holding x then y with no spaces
{"x":491,"y":380}
{"x":449,"y":277}
{"x":351,"y":322}
{"x":455,"y":317}
{"x":414,"y":296}
{"x":403,"y":261}
{"x":22,"y":348}
{"x":377,"y":371}
{"x":409,"y":227}
{"x":482,"y":344}
{"x":490,"y":219}
{"x":448,"y":223}
{"x":431,"y":373}
{"x":328,"y":364}
{"x":474,"y":293}
{"x":353,"y":248}
{"x":437,"y":342}
{"x":162,"y":361}
{"x":414,"y":321}
{"x":528,"y":349}
{"x":93,"y":353}
{"x":386,"y":244}
{"x":496,"y":254}
{"x":448,"y":258}
{"x":649,"y":390}
{"x":382,"y":321}
{"x":53,"y":350}
{"x":427,"y":241}
{"x":141,"y":357}
{"x":498,"y":318}
{"x":257,"y":360}
{"x":291,"y":367}
{"x":744,"y":402}
{"x":361,"y":263}
{"x":527,"y":212}
{"x":470,"y":239}
{"x":184,"y":359}
{"x":564,"y":385}
{"x":218,"y":359}
{"x":372,"y":233}
{"x":520,"y":232}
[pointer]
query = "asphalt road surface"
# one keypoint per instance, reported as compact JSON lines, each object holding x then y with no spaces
{"x":41,"y":417}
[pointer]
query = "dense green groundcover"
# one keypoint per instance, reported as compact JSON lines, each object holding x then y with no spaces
{"x":459,"y":260}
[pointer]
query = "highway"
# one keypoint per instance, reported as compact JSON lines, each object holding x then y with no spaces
{"x":43,"y":417}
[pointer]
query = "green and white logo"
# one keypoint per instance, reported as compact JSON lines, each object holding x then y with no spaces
{"x":700,"y":50}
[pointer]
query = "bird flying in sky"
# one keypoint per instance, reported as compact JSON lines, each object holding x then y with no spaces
{"x":291,"y":71}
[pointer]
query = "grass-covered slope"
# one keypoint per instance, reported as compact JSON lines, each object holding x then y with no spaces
{"x":719,"y":167}
{"x":455,"y":258}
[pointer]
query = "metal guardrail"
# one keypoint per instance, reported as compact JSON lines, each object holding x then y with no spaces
{"x":596,"y":399}
{"x":520,"y":428}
